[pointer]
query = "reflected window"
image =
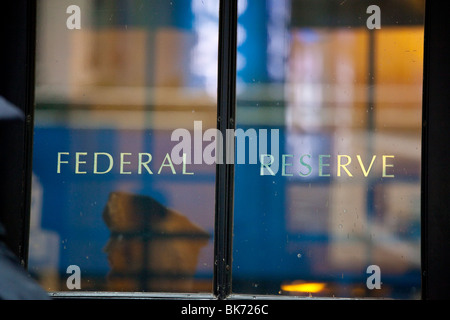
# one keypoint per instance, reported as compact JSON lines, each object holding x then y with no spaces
{"x":114,"y":209}
{"x":339,"y":213}
{"x":327,"y":156}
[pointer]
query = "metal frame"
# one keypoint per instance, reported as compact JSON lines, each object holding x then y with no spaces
{"x":435,"y":155}
{"x":225,"y":172}
{"x":17,"y":35}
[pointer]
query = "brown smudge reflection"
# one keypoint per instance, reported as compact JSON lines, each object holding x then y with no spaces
{"x":151,"y":247}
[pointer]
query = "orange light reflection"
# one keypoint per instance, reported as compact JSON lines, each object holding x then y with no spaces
{"x":312,"y":287}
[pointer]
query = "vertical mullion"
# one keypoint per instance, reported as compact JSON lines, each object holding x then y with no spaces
{"x":435,"y":199}
{"x":226,"y":110}
{"x":17,"y":35}
{"x":31,"y":15}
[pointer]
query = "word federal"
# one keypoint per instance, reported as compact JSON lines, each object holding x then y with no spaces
{"x":125,"y":163}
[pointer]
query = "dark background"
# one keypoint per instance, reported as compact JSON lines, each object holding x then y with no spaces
{"x":16,"y":86}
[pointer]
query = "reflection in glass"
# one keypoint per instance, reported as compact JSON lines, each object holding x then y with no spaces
{"x":341,"y":215}
{"x":109,"y":95}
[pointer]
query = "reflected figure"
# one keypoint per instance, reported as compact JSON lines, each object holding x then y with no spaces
{"x":15,"y":282}
{"x":151,"y":247}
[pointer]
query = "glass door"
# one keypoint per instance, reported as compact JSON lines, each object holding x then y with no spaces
{"x":120,"y":201}
{"x":328,"y":171}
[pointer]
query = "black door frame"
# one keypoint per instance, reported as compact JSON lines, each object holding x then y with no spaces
{"x":435,"y":154}
{"x":17,"y":38}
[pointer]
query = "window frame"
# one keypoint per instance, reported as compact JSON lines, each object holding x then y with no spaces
{"x":17,"y":35}
{"x":435,"y":202}
{"x":17,"y":32}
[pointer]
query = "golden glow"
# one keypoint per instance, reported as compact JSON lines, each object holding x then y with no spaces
{"x":312,"y":287}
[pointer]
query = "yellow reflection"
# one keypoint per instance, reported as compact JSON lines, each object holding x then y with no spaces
{"x":312,"y":287}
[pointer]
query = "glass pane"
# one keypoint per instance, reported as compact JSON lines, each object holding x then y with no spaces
{"x":331,"y":94}
{"x":116,"y":205}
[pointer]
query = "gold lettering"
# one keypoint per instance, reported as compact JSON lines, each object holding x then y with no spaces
{"x":284,"y":164}
{"x":111,"y":161}
{"x":343,"y":166}
{"x":387,"y":165}
{"x":363,"y":169}
{"x":321,"y":165}
{"x":144,"y":164}
{"x":58,"y":170}
{"x":122,"y":162}
{"x":266,"y":165}
{"x":170,"y":164}
{"x":184,"y":165}
{"x":78,"y":162}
